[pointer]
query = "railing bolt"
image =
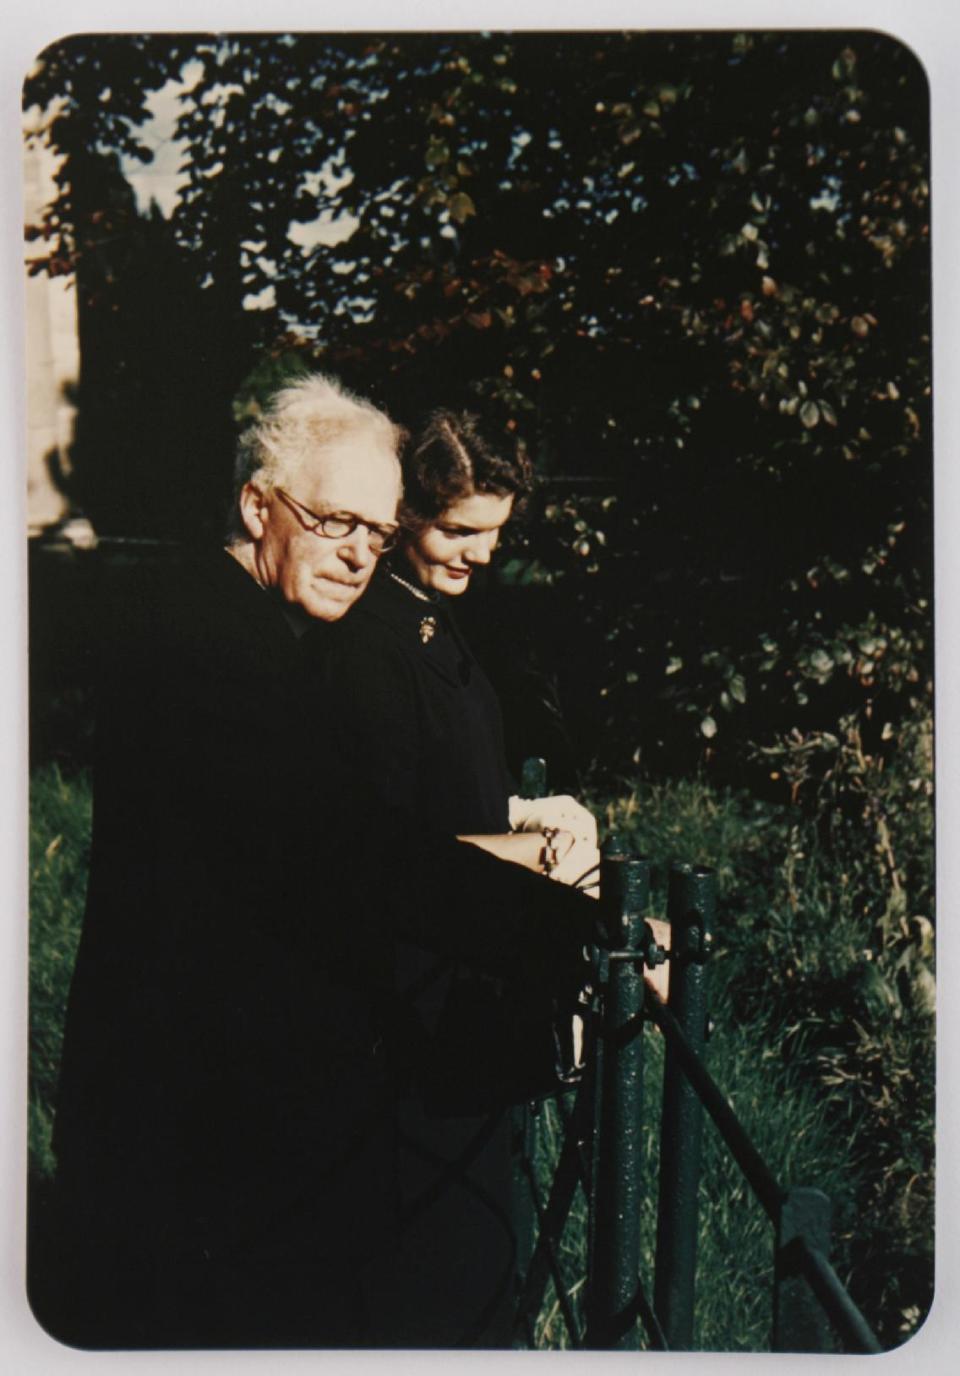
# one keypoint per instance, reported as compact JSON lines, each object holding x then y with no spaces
{"x":653,"y":954}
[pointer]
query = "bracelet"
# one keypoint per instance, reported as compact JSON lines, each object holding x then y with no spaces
{"x":549,"y":859}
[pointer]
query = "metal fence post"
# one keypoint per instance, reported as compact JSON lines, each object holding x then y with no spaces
{"x":691,"y":903}
{"x":533,"y":777}
{"x":799,"y":1321}
{"x":612,"y":1303}
{"x":533,"y":784}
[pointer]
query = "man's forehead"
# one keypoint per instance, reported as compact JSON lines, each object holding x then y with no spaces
{"x":348,"y":476}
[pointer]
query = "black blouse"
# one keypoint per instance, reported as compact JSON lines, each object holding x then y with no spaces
{"x":404,"y":685}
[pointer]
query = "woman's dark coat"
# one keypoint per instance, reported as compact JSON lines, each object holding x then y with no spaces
{"x":423,"y":724}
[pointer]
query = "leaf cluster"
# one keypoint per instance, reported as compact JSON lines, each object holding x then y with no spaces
{"x":689,"y":268}
{"x":823,"y":992}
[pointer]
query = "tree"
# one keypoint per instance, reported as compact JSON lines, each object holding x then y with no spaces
{"x":695,"y":265}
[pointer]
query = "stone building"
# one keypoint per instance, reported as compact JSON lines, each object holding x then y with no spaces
{"x":52,"y":361}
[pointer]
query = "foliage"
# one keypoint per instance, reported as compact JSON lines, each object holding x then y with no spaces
{"x":821,"y":994}
{"x":60,"y":811}
{"x":92,"y":93}
{"x":786,"y":1120}
{"x":721,"y":324}
{"x":825,"y":962}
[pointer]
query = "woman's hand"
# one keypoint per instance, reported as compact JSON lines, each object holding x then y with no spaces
{"x":580,"y":866}
{"x":579,"y":862}
{"x":533,"y":814}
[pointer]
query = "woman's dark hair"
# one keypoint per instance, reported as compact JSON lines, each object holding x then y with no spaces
{"x":448,"y":460}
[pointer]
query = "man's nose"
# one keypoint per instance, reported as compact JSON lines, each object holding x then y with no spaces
{"x":355,"y":548}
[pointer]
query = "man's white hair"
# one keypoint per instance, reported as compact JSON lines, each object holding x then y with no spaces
{"x":301,"y":420}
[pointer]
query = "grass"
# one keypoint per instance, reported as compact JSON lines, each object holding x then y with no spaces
{"x":820,"y":989}
{"x":787,"y":1123}
{"x":821,"y":993}
{"x":60,"y":812}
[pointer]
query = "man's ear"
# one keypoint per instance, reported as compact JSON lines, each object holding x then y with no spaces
{"x":253,"y":510}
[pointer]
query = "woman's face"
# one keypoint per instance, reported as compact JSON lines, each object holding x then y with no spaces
{"x":444,"y":555}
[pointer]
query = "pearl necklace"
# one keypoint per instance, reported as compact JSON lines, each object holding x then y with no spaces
{"x":412,"y":588}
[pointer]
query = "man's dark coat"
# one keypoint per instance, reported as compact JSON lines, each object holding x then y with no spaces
{"x":224,"y":1123}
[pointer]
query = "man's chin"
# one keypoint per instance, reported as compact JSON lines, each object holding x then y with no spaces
{"x":331,"y":607}
{"x":334,"y":611}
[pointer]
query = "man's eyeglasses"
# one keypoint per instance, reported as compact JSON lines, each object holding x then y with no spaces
{"x":337,"y":525}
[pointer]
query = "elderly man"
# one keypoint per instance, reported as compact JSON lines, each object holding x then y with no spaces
{"x":203,"y":1051}
{"x":224,"y":1131}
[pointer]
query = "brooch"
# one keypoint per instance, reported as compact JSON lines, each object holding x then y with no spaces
{"x":428,"y":627}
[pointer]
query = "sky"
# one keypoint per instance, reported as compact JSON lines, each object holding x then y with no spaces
{"x":162,"y":179}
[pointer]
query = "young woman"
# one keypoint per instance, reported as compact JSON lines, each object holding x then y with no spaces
{"x":424,"y":705}
{"x":423,"y":727}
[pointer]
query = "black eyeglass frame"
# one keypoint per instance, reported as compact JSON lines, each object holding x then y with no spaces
{"x":380,"y":538}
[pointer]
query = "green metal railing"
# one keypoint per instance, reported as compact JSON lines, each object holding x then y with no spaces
{"x":601,"y":1153}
